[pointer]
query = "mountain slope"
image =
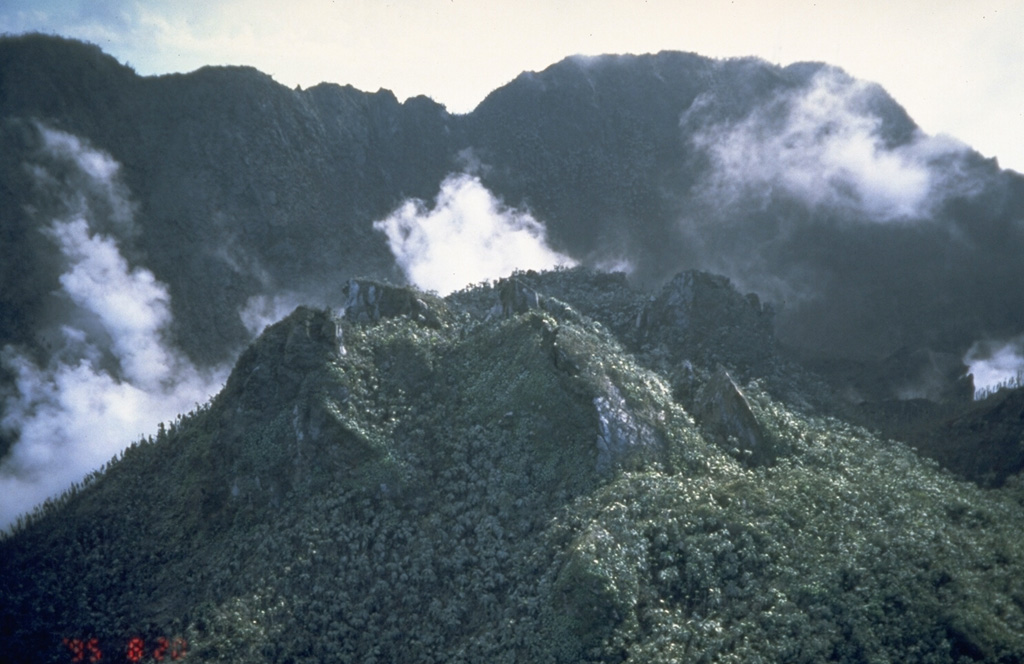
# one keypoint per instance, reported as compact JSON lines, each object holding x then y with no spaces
{"x":801,"y":184}
{"x":493,"y":476}
{"x":236,"y":180}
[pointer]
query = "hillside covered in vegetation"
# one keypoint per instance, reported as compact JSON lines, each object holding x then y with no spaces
{"x":551,"y":468}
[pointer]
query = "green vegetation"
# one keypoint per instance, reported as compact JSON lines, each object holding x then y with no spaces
{"x":512,"y":489}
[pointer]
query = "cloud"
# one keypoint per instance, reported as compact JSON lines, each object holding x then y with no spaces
{"x":82,"y":180}
{"x":106,"y":371}
{"x":129,"y":305}
{"x":468,"y":237}
{"x":825,"y":145}
{"x":995,"y":364}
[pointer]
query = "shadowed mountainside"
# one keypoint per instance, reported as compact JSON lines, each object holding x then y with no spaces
{"x":801,"y":184}
{"x":242,"y":186}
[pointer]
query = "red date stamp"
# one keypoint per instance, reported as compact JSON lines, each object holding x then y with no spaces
{"x":135,"y":650}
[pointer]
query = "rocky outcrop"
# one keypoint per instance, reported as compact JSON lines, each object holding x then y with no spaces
{"x":370,"y":301}
{"x":725,"y":412}
{"x":287,"y":366}
{"x":275,"y":366}
{"x":703,"y":317}
{"x":620,"y":434}
{"x":515,"y":297}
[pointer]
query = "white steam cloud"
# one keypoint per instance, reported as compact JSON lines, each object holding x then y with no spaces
{"x":996,"y":364}
{"x":827,"y":200}
{"x":824,"y":145}
{"x":468,"y":237}
{"x":112,"y":373}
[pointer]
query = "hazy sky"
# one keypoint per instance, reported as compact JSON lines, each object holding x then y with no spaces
{"x":957,"y":66}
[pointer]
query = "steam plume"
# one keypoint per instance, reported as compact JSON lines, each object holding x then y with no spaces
{"x":826,"y":145}
{"x":996,"y":364}
{"x":110,"y":373}
{"x":468,"y":237}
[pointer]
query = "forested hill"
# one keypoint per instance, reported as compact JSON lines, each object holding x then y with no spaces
{"x":500,"y":475}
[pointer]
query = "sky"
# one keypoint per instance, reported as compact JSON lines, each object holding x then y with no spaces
{"x":957,"y":67}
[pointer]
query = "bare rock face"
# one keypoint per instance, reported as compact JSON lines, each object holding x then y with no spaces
{"x":726,"y":414}
{"x":515,"y":297}
{"x":621,"y":435}
{"x":370,"y":301}
{"x":274,"y":368}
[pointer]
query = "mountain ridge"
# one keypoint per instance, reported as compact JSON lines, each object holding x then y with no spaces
{"x":626,"y":181}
